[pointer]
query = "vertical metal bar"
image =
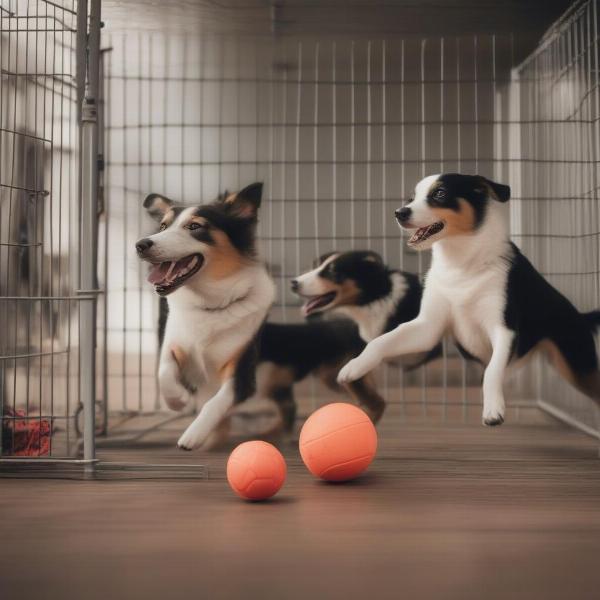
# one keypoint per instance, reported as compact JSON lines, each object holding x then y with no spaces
{"x":369,"y":153}
{"x":89,"y":215}
{"x":442,"y":168}
{"x":316,"y":154}
{"x":125,"y":224}
{"x":424,"y":163}
{"x":463,"y":362}
{"x":352,"y":145}
{"x":334,"y":144}
{"x":81,"y":51}
{"x":139,"y":209}
{"x":384,"y":216}
{"x":403,"y":193}
{"x":297,"y":157}
{"x":105,"y":116}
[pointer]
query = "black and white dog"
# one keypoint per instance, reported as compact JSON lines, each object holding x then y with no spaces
{"x":289,"y":352}
{"x":360,"y":286}
{"x":204,"y":260}
{"x":485,"y":292}
{"x":214,"y":298}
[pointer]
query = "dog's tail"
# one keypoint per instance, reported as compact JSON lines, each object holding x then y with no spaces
{"x":593,"y":319}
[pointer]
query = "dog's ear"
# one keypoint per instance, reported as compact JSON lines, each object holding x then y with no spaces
{"x":319,"y":261}
{"x":373,"y":257}
{"x":246,"y":202}
{"x":157,"y":206}
{"x":501,"y":191}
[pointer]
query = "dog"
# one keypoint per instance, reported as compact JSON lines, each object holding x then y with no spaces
{"x":289,"y":352}
{"x":483,"y":290}
{"x":359,"y":285}
{"x":204,"y":262}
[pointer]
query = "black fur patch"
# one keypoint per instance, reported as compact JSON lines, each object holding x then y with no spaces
{"x":536,"y":311}
{"x":472,"y":188}
{"x":202,"y":234}
{"x":409,"y":306}
{"x":240,"y":231}
{"x":163,"y":315}
{"x":365,"y":268}
{"x":244,"y":381}
{"x":307,"y":346}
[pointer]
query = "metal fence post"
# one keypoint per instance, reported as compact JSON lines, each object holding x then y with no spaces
{"x":88,"y":224}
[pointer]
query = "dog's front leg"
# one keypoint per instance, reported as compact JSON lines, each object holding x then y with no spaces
{"x":210,"y":416}
{"x":493,"y":378}
{"x":171,"y":383}
{"x":419,"y":335}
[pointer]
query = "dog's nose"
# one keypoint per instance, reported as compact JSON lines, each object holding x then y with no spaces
{"x":143,"y":245}
{"x":295,"y":285}
{"x":403,"y":214}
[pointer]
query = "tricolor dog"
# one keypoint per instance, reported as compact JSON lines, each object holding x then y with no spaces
{"x":359,"y":285}
{"x":484,"y":292}
{"x":204,"y":261}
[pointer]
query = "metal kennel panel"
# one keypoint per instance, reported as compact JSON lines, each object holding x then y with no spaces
{"x":556,"y":220}
{"x":38,"y":228}
{"x":340,"y":130}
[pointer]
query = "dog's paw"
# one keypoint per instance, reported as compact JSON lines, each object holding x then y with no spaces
{"x":188,"y":441}
{"x":177,"y":403}
{"x":493,"y":417}
{"x":355,"y":369}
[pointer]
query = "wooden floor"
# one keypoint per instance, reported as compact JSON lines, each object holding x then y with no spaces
{"x":446,"y":511}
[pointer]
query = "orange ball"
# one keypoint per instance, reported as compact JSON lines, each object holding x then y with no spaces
{"x":338,"y":442}
{"x":256,"y":470}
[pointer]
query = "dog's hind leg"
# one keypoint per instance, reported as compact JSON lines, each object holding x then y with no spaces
{"x":493,"y":377}
{"x":573,"y":356}
{"x":238,"y":382}
{"x":364,"y":392}
{"x":286,"y":403}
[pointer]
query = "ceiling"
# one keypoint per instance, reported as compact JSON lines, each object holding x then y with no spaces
{"x":525,"y":19}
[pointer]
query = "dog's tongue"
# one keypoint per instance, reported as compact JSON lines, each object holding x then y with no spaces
{"x":316,"y":302}
{"x":159,"y":272}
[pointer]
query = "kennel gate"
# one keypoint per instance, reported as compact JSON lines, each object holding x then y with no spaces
{"x":339,"y":129}
{"x":48,"y":221}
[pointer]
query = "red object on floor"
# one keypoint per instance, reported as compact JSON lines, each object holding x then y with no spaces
{"x":25,"y":436}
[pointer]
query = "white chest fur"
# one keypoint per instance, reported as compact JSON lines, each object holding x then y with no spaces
{"x":212,"y":325}
{"x":475,"y":294}
{"x":372,"y":318}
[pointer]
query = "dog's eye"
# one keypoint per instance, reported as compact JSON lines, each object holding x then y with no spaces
{"x":194,"y":225}
{"x":439,"y":195}
{"x":162,"y":227}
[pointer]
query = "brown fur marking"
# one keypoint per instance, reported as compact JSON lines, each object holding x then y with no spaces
{"x":168,"y":218}
{"x":588,"y":383}
{"x":457,"y":222}
{"x":225,"y":260}
{"x":278,"y":377}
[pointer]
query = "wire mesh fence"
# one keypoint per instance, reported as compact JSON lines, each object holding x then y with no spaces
{"x":557,"y":219}
{"x":339,"y":130}
{"x":38,"y":228}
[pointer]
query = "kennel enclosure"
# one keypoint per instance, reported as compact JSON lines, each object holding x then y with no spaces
{"x":339,"y":110}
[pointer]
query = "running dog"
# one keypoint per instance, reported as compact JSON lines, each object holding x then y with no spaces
{"x":289,"y":352}
{"x":284,"y":354}
{"x":204,"y":261}
{"x":482,"y":290}
{"x":360,"y":286}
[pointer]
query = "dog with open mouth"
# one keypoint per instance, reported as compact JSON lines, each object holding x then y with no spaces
{"x":203,"y":260}
{"x":482,"y":290}
{"x":358,"y":284}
